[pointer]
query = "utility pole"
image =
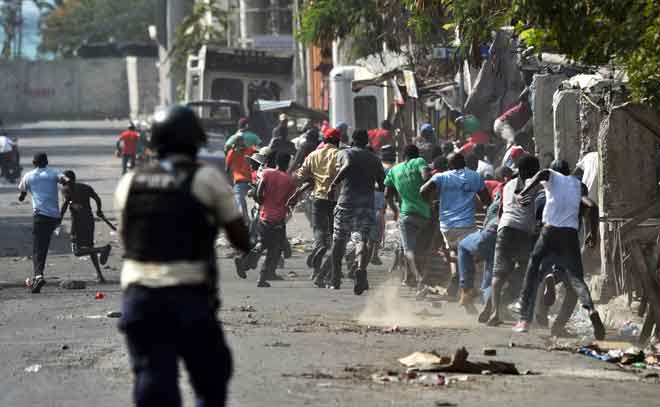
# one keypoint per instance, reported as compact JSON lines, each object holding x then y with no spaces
{"x":171,"y":14}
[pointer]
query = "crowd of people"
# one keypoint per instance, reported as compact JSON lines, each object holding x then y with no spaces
{"x":529,"y":237}
{"x":171,"y":209}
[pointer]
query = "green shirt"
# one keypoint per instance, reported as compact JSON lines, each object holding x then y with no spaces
{"x":407,"y":179}
{"x":250,"y":139}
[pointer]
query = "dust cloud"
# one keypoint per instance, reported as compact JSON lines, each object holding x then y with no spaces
{"x":392,"y":305}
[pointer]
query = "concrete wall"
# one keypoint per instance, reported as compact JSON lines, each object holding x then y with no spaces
{"x":64,"y":89}
{"x":567,"y":137}
{"x":544,"y":87}
{"x":628,"y":152}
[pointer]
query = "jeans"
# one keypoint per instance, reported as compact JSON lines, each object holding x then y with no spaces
{"x":563,"y":246}
{"x":241,"y":190}
{"x":162,"y":325}
{"x":410,"y":227}
{"x":322,"y":222}
{"x":476,"y":247}
{"x":42,"y":231}
{"x":125,"y":159}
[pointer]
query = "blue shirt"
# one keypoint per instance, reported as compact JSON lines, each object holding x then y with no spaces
{"x":456,"y":192}
{"x":41,"y":183}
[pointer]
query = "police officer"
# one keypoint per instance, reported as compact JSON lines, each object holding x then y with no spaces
{"x":170,"y":213}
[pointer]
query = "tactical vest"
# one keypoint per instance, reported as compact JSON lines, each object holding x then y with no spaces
{"x":162,"y":221}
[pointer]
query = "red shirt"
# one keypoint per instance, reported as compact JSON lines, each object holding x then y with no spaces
{"x":379,"y":138}
{"x":493,"y":186}
{"x":129,"y":139}
{"x":237,"y":162}
{"x":277,"y":187}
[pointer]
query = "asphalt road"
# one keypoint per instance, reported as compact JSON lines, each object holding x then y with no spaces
{"x":296,"y":346}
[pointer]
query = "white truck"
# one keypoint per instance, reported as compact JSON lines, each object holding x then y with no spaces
{"x":360,"y":110}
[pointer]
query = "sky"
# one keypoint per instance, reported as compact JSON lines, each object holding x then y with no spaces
{"x":31,"y":37}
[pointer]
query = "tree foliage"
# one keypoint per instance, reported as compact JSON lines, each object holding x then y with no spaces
{"x":373,"y":25}
{"x":196,"y":31}
{"x":625,"y":32}
{"x":74,"y":22}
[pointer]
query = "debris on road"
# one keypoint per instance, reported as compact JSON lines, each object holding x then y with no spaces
{"x":73,"y":285}
{"x":393,"y":329}
{"x":458,"y":363}
{"x":99,"y":295}
{"x":33,"y":368}
{"x":247,"y":308}
{"x":490,"y":352}
{"x":626,"y":356}
{"x":278,"y":344}
{"x":444,"y":404}
{"x":292,"y":274}
{"x":113,"y":314}
{"x":424,"y":358}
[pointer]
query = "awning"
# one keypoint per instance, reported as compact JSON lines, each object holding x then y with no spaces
{"x":291,"y":108}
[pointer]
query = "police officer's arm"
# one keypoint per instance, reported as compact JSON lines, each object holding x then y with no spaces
{"x":212,"y":189}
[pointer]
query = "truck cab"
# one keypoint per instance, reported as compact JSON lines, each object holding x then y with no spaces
{"x":360,"y":110}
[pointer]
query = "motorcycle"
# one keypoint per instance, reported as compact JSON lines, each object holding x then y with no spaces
{"x":10,"y":168}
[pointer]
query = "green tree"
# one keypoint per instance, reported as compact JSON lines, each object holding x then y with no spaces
{"x":370,"y":24}
{"x":625,"y":32}
{"x":71,"y":23}
{"x":196,"y":30}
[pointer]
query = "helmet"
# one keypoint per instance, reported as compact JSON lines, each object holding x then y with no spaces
{"x":176,"y":129}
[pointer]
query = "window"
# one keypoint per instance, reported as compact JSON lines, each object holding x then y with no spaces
{"x":227,"y":88}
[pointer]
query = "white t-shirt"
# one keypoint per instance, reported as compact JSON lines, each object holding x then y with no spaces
{"x":562,"y":201}
{"x":589,"y":164}
{"x":515,"y":215}
{"x":485,"y":169}
{"x":212,"y":190}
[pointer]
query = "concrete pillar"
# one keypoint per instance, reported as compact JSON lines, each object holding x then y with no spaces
{"x":565,"y":121}
{"x":174,"y":14}
{"x":133,"y":89}
{"x":544,"y":87}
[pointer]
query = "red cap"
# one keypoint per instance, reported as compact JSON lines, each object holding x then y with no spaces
{"x":331,"y":133}
{"x":242,"y":121}
{"x":517,"y":153}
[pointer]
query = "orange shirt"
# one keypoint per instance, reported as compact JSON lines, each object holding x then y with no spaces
{"x":237,"y":162}
{"x":129,"y":139}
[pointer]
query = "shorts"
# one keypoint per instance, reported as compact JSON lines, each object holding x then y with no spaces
{"x":410,"y":227}
{"x":361,"y":220}
{"x":512,"y":246}
{"x":454,"y":236}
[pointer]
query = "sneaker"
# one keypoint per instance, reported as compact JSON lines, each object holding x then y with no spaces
{"x":549,"y":293}
{"x":361,"y":282}
{"x":105,"y":254}
{"x":37,"y":284}
{"x":263,"y":284}
{"x":599,"y":329}
{"x":521,"y":327}
{"x":485,"y":313}
{"x":239,"y":270}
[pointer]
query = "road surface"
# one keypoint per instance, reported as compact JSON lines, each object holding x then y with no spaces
{"x":293,"y":344}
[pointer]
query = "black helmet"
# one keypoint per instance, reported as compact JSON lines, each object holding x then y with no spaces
{"x":176,"y":129}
